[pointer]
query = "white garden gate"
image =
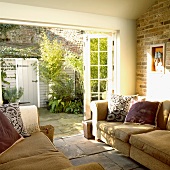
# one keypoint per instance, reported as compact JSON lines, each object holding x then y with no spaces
{"x":27,"y":78}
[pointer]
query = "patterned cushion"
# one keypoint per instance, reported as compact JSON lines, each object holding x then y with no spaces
{"x":8,"y":135}
{"x":12,"y":112}
{"x":144,"y":112}
{"x":118,"y":107}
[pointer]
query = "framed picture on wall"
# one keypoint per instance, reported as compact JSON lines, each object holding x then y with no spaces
{"x":158,"y":58}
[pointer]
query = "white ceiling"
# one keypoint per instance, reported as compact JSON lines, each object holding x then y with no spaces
{"x":129,"y":9}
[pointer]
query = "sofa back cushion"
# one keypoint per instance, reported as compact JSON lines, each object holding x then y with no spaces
{"x":12,"y":112}
{"x":118,"y":106}
{"x":163,"y":113}
{"x":30,"y":118}
{"x":144,"y":112}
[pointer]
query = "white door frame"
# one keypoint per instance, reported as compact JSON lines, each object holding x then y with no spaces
{"x":86,"y":62}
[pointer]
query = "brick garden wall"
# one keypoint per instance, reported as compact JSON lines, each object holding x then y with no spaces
{"x":153,"y":27}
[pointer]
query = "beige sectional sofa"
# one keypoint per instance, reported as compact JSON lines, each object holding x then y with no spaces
{"x":146,"y":144}
{"x":37,"y":152}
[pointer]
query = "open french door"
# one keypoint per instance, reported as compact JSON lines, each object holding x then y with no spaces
{"x":98,"y":69}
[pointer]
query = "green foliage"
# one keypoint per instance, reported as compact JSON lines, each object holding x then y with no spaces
{"x":63,"y":89}
{"x":76,"y":63}
{"x":4,"y":68}
{"x":72,"y":106}
{"x":29,"y":52}
{"x":75,"y":107}
{"x":4,"y":28}
{"x":98,"y":44}
{"x":56,"y":105}
{"x":51,"y":63}
{"x":11,"y":95}
{"x":63,"y":98}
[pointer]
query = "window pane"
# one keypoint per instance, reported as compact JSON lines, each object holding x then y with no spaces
{"x":94,"y":85}
{"x":103,"y":86}
{"x":94,"y":72}
{"x":103,"y":72}
{"x":94,"y":96}
{"x":103,"y":58}
{"x":103,"y":44}
{"x":94,"y":44}
{"x":94,"y":58}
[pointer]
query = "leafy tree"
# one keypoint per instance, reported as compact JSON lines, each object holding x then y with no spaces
{"x":52,"y":59}
{"x":76,"y":63}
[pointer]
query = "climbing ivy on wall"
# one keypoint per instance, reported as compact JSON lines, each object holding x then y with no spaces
{"x":4,"y":28}
{"x":12,"y":52}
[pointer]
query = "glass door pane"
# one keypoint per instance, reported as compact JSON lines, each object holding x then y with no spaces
{"x":98,"y":67}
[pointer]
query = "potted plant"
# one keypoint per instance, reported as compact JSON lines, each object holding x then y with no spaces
{"x":12,"y":95}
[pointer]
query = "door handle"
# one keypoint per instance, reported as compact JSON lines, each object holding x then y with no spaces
{"x":35,"y":81}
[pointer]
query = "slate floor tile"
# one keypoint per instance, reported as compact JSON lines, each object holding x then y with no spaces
{"x":123,"y":161}
{"x":100,"y":158}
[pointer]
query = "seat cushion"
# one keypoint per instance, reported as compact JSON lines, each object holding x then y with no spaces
{"x":34,"y":152}
{"x":49,"y":160}
{"x":124,"y":131}
{"x":108,"y":127}
{"x":155,"y":143}
{"x":36,"y":144}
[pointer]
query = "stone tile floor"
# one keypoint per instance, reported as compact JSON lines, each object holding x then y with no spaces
{"x":69,"y":139}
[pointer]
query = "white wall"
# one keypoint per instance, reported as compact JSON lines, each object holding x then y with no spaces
{"x":126,"y":59}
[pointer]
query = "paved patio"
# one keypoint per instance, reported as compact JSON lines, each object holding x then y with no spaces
{"x":69,"y":139}
{"x":64,"y":124}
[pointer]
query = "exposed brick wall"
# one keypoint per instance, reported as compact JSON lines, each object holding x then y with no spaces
{"x":26,"y":36}
{"x":153,"y":27}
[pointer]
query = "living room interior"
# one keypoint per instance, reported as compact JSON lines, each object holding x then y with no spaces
{"x":142,"y":29}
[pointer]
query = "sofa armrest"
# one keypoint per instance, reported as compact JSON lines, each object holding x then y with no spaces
{"x":30,"y":118}
{"x":99,"y":110}
{"x":90,"y":166}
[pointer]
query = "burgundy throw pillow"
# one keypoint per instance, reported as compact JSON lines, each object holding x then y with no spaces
{"x":144,"y":112}
{"x":8,"y":135}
